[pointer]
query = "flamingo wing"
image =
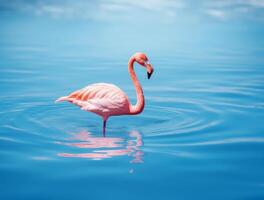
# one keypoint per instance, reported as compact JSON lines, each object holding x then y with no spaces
{"x":101,"y":98}
{"x":104,"y":105}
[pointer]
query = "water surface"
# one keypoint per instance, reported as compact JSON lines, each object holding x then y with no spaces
{"x":199,"y":137}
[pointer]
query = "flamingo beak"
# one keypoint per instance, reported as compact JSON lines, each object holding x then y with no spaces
{"x":149,"y":75}
{"x":149,"y":69}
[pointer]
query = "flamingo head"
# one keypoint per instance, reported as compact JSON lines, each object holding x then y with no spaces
{"x":142,"y":59}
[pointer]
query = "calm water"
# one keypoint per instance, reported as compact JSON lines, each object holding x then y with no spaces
{"x":199,"y":137}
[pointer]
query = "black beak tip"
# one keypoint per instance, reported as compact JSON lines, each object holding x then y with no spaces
{"x":149,"y":75}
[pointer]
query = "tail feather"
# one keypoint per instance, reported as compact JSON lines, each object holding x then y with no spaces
{"x":65,"y":98}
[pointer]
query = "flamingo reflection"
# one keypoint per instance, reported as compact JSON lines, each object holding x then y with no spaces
{"x":106,"y":147}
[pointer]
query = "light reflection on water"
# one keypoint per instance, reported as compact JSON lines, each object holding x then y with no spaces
{"x":106,"y":147}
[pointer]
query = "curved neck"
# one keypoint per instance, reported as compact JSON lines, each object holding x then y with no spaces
{"x":135,"y":109}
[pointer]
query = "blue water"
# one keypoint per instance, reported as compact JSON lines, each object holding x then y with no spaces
{"x":200,"y":135}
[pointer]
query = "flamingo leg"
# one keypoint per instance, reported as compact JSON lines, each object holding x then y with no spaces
{"x":104,"y":126}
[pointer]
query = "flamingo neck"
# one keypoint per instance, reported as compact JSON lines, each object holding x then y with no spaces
{"x":138,"y":108}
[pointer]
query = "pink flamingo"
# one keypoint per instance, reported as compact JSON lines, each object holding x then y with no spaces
{"x":108,"y":100}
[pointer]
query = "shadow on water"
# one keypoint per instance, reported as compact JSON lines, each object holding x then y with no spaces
{"x":98,"y":148}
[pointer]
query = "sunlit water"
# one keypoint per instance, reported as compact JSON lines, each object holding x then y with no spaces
{"x":199,"y":137}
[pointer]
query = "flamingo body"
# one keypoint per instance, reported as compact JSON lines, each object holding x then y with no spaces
{"x":108,"y":100}
{"x":101,"y":98}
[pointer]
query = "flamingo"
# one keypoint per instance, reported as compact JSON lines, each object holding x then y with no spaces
{"x":106,"y":99}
